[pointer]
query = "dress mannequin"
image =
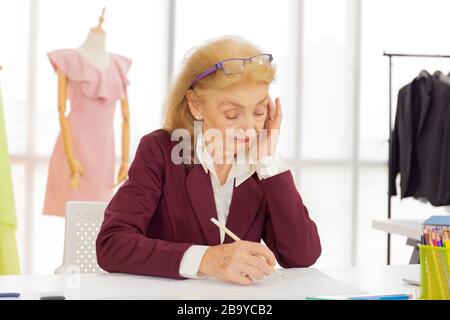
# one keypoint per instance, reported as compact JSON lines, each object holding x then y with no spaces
{"x":100,"y":78}
{"x":94,"y":49}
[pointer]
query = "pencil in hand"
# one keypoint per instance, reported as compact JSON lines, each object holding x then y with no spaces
{"x":234,"y":237}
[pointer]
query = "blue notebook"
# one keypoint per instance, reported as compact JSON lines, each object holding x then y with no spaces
{"x":438,"y":221}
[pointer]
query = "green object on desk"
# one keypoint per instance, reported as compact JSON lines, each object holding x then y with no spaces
{"x":9,"y":259}
{"x":434,"y":273}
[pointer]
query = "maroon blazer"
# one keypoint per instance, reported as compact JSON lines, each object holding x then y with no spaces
{"x":164,"y":208}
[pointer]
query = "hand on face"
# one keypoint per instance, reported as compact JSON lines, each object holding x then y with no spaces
{"x":265,"y":143}
{"x":246,"y":118}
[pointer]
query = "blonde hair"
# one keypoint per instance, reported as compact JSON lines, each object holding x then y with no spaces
{"x":177,"y":114}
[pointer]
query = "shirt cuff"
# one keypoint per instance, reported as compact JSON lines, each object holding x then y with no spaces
{"x":270,"y":166}
{"x":190,"y":263}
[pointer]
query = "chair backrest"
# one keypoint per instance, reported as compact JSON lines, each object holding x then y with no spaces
{"x":83,"y":221}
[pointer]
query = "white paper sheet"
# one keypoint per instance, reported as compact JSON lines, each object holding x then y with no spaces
{"x":294,"y":284}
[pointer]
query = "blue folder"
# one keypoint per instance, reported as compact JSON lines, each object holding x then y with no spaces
{"x":438,"y":221}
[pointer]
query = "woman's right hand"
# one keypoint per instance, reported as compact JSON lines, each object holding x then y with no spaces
{"x":238,"y":262}
{"x":76,"y":172}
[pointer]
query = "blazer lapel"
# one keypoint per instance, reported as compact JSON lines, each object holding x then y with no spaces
{"x":424,"y":103}
{"x":199,"y":188}
{"x":245,"y":204}
{"x":407,"y":125}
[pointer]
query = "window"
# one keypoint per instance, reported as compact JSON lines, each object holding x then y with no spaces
{"x":30,"y":95}
{"x":332,"y":80}
{"x":422,"y":30}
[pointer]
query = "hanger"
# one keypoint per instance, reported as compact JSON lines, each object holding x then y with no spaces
{"x":442,"y":77}
{"x":423,"y":74}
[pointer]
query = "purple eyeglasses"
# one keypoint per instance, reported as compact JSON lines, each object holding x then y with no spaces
{"x":235,"y":65}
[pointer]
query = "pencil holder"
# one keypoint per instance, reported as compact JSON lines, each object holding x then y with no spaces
{"x":434,"y":273}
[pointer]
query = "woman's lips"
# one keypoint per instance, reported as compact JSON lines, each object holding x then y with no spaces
{"x":242,"y":140}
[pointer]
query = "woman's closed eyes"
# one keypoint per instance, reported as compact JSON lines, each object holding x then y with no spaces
{"x":235,"y":114}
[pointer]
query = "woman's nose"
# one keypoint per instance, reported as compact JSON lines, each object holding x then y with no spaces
{"x":248,"y":128}
{"x":248,"y":123}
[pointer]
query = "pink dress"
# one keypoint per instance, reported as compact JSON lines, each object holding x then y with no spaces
{"x":93,"y":94}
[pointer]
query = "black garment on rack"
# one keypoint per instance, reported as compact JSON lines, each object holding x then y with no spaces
{"x":420,"y":146}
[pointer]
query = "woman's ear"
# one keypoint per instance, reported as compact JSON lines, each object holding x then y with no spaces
{"x":193,"y":105}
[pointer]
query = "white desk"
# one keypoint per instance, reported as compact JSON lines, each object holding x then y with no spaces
{"x":295,"y":284}
{"x":411,"y":229}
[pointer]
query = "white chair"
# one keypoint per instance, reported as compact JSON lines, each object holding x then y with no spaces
{"x":83,"y":221}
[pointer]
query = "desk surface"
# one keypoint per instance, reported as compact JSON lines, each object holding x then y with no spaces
{"x":295,"y":284}
{"x":409,"y":228}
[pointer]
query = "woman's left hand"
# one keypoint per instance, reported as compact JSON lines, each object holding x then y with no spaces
{"x":266,"y":142}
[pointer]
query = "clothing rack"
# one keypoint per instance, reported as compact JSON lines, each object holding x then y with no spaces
{"x":390,"y":56}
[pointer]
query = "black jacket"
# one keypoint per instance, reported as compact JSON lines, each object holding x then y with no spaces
{"x":420,"y":145}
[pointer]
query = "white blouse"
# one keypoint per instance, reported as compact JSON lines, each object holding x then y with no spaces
{"x":265,"y":168}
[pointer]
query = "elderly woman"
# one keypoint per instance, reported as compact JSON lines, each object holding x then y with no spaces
{"x":159,"y":221}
